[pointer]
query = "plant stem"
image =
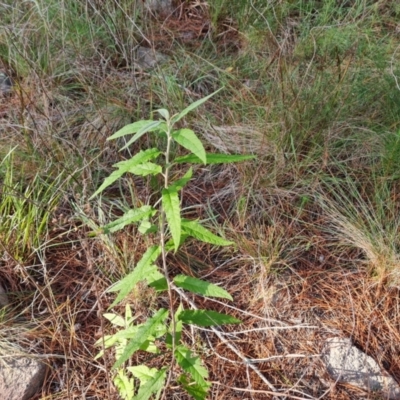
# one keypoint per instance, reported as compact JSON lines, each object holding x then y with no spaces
{"x":164,"y":261}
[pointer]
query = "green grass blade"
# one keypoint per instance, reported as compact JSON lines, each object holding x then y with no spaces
{"x":170,"y":202}
{"x":206,"y":318}
{"x":188,"y":139}
{"x":199,"y":286}
{"x":192,"y":106}
{"x":196,"y":230}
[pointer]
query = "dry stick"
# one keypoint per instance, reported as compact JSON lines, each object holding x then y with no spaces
{"x":247,"y":373}
{"x":277,"y":321}
{"x":395,"y":77}
{"x":245,"y":360}
{"x":262,"y":392}
{"x":267,"y":328}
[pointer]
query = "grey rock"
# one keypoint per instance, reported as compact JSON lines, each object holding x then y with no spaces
{"x":347,"y":364}
{"x":257,"y":87}
{"x":3,"y":297}
{"x":20,"y":377}
{"x":5,"y":83}
{"x":159,"y":6}
{"x":148,"y":58}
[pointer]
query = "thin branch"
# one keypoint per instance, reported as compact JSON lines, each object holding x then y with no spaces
{"x":221,"y":337}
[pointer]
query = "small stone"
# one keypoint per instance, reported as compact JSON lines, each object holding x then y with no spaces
{"x":5,"y":83}
{"x":20,"y":377}
{"x":347,"y":364}
{"x":159,"y":6}
{"x":149,"y":58}
{"x":3,"y":297}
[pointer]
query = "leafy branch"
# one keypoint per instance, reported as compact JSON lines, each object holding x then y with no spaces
{"x":165,"y":219}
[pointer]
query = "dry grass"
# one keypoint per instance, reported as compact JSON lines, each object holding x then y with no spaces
{"x":314,"y":219}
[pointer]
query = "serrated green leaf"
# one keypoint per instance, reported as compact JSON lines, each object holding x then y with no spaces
{"x":180,"y":183}
{"x":149,"y":347}
{"x":109,"y":340}
{"x":143,"y":372}
{"x":124,"y":385}
{"x":164,"y":113}
{"x":139,"y":128}
{"x":147,"y":168}
{"x":178,"y":334}
{"x":196,"y":230}
{"x":188,"y":139}
{"x":152,"y":126}
{"x":170,"y":202}
{"x":157,"y":281}
{"x":199,"y":286}
{"x":147,"y":227}
{"x":159,"y":285}
{"x":115,"y":319}
{"x":178,"y":329}
{"x":213,"y":158}
{"x":143,"y":333}
{"x":127,"y":333}
{"x":110,"y":179}
{"x":143,"y":268}
{"x":140,"y":158}
{"x":119,"y":337}
{"x":170,"y":244}
{"x":144,"y":226}
{"x":198,"y":392}
{"x":128,"y":314}
{"x":134,"y":215}
{"x":125,"y":166}
{"x":191,"y":364}
{"x":152,"y":386}
{"x":206,"y":318}
{"x":192,"y":106}
{"x":122,"y":339}
{"x":130,"y":129}
{"x":119,"y":348}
